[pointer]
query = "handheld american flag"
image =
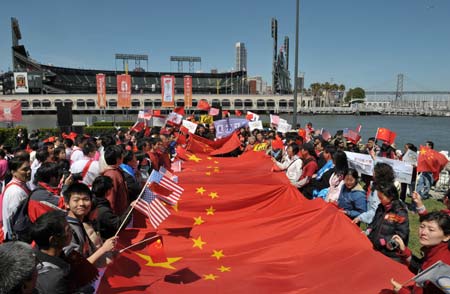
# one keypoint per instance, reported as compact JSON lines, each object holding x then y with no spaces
{"x":167,"y":183}
{"x":152,"y":208}
{"x":168,"y":174}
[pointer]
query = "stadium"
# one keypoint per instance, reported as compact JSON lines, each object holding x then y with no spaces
{"x":49,"y":86}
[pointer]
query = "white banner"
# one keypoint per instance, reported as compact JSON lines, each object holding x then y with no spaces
{"x":255,"y":125}
{"x":274,"y":119}
{"x":403,"y":171}
{"x":284,"y":127}
{"x":174,"y":118}
{"x":190,"y":126}
{"x":410,"y":157}
{"x":141,"y":114}
{"x":158,"y":121}
{"x":21,"y":82}
{"x":363,"y":163}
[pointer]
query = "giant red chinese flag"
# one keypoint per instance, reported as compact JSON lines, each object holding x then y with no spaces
{"x":124,"y":91}
{"x":430,"y":160}
{"x":241,"y":228}
{"x":101,"y":90}
{"x":10,"y":111}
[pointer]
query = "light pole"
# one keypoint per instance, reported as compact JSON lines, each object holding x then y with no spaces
{"x":294,"y":117}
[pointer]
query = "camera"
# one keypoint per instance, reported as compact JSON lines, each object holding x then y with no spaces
{"x":393,"y":244}
{"x":77,"y":177}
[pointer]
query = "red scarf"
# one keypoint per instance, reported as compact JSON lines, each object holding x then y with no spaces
{"x":55,"y":191}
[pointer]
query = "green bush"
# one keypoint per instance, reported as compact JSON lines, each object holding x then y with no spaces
{"x":8,"y":135}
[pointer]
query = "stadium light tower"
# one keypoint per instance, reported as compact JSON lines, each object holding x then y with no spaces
{"x":294,"y":117}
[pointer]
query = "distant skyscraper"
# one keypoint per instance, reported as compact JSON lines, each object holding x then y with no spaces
{"x":241,"y":56}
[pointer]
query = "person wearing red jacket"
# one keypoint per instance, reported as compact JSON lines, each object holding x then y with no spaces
{"x":434,"y":236}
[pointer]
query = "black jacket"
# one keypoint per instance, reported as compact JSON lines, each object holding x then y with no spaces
{"x":53,"y":274}
{"x":105,"y":221}
{"x":386,"y":223}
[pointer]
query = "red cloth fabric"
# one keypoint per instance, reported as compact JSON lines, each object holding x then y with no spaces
{"x":154,"y":158}
{"x":245,"y":229}
{"x":309,"y":169}
{"x":203,"y":105}
{"x":118,"y":195}
{"x":179,"y":110}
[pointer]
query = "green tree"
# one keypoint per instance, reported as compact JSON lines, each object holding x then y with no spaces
{"x":356,"y":93}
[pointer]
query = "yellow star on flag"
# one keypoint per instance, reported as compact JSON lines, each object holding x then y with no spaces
{"x":216,"y":162}
{"x":198,"y":220}
{"x":167,"y":264}
{"x":200,"y":190}
{"x":193,"y":157}
{"x":223,"y":269}
{"x":210,"y":277}
{"x":175,"y":207}
{"x":216,"y":170}
{"x":198,"y":242}
{"x":209,"y":158}
{"x":209,"y":166}
{"x":208,"y":173}
{"x":218,"y":254}
{"x":210,"y":211}
{"x":213,"y":195}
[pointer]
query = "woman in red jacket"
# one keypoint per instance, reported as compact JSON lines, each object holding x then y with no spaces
{"x":434,"y":236}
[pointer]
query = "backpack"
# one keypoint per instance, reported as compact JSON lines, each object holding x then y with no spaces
{"x":21,"y":223}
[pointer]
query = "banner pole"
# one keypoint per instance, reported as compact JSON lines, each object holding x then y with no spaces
{"x":140,"y":242}
{"x":131,"y":210}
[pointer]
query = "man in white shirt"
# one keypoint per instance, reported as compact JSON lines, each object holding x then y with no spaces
{"x":77,"y":152}
{"x":86,"y":169}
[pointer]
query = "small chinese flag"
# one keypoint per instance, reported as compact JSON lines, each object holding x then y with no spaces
{"x":179,"y":110}
{"x":203,"y":105}
{"x":238,"y":112}
{"x":156,"y":251}
{"x":386,"y":135}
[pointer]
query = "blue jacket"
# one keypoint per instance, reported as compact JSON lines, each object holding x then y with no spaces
{"x":353,"y":201}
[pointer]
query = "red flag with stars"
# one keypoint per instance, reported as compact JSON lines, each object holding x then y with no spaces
{"x":430,"y":160}
{"x":385,"y":135}
{"x":241,"y":228}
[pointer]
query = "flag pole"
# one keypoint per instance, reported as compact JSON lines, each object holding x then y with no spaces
{"x":140,"y":242}
{"x":131,"y":210}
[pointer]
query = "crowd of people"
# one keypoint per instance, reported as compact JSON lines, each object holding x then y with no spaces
{"x":69,"y":195}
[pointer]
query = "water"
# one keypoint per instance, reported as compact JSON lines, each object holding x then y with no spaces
{"x":409,"y":129}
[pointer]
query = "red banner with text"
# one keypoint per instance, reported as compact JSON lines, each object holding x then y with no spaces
{"x":101,"y":90}
{"x":168,"y":91}
{"x":124,"y":91}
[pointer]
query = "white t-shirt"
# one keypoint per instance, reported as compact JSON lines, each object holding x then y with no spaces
{"x":12,"y":198}
{"x":77,"y":154}
{"x":92,"y":173}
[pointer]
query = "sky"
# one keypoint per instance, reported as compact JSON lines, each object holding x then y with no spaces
{"x":358,"y":43}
